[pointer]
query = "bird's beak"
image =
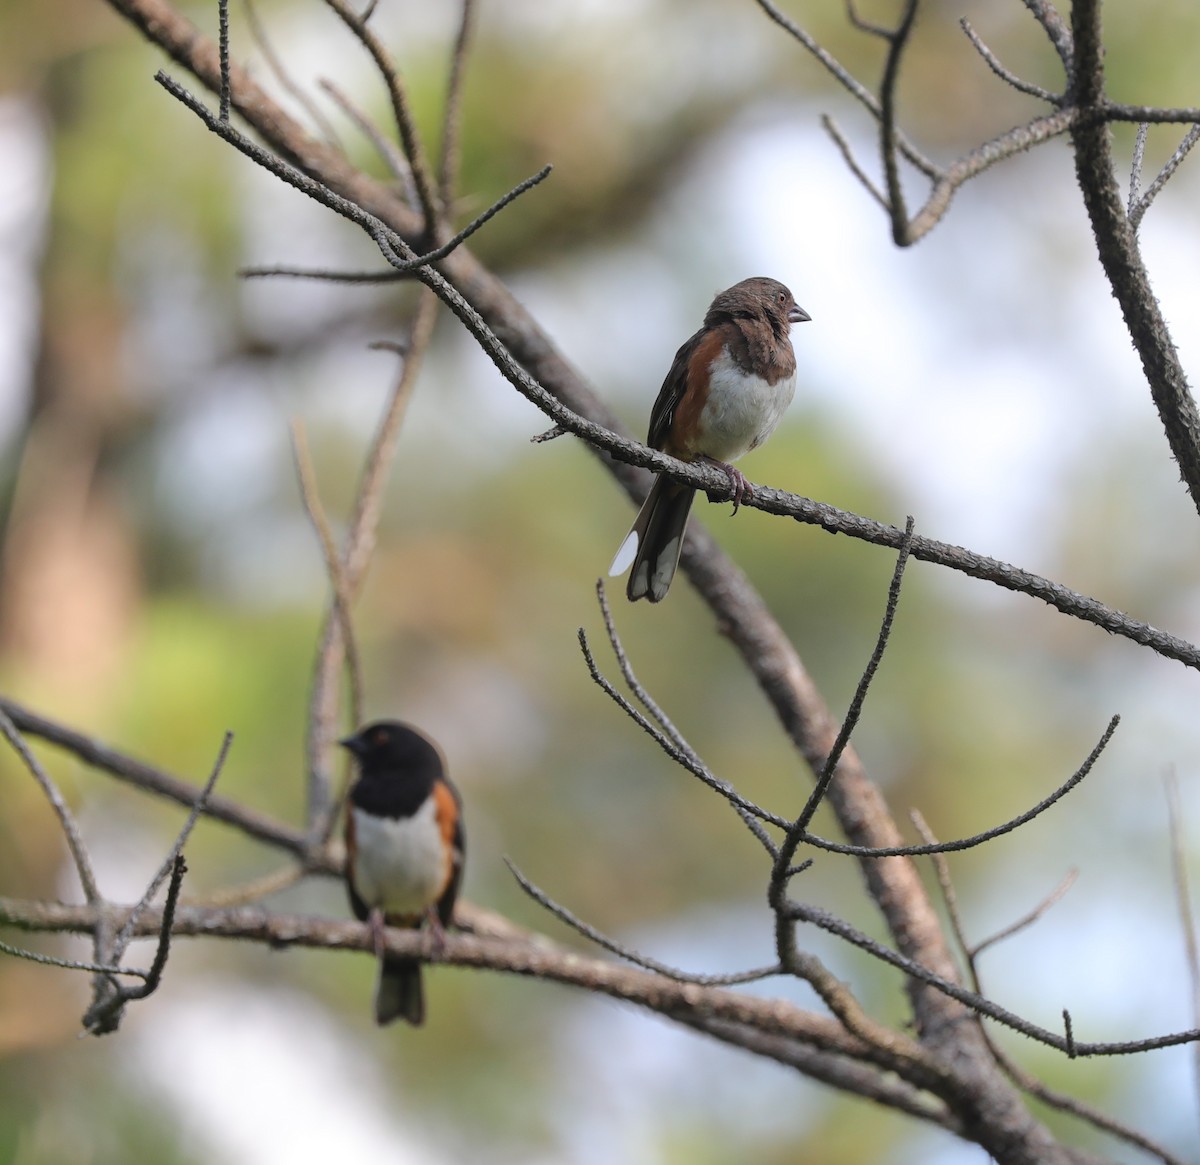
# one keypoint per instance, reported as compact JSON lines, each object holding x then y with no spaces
{"x":352,"y":744}
{"x":798,"y":315}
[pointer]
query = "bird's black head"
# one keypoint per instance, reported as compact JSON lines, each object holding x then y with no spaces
{"x":398,"y":765}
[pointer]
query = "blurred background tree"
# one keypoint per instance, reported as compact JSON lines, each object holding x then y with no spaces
{"x":160,"y":582}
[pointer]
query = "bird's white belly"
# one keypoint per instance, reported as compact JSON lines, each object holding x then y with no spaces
{"x":399,"y":863}
{"x":741,"y":411}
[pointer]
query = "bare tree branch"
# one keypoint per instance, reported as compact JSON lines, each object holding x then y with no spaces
{"x":1022,"y":1079}
{"x":1119,"y":255}
{"x":155,"y":780}
{"x":942,"y":1058}
{"x":537,"y":957}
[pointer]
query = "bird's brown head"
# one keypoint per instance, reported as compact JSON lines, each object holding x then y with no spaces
{"x":757,"y":298}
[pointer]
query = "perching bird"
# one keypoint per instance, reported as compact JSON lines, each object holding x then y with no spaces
{"x":726,"y":391}
{"x":404,"y":851}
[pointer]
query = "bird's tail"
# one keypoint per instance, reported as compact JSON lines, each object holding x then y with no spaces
{"x":655,"y":542}
{"x":399,"y":994}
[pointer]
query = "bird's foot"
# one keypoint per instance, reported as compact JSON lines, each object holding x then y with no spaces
{"x":741,"y":488}
{"x":437,"y":933}
{"x":377,"y":925}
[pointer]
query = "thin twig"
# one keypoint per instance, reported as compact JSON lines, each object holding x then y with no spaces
{"x":1135,"y":171}
{"x":1056,"y":29}
{"x":1183,"y":902}
{"x":854,"y":712}
{"x":893,"y":144}
{"x":178,"y":869}
{"x":449,"y":158}
{"x":70,"y":964}
{"x":627,"y":953}
{"x":405,"y":267}
{"x":104,"y":1016}
{"x":804,"y":912}
{"x":1028,"y":919}
{"x":1022,"y":1079}
{"x":70,"y":828}
{"x":685,"y":757}
{"x":1171,"y":165}
{"x":783,"y":868}
{"x":405,"y":122}
{"x":334,"y":567}
{"x":1010,"y":78}
{"x":912,"y":851}
{"x":356,"y":556}
{"x":867,"y":26}
{"x":125,"y":933}
{"x":272,"y":883}
{"x":275,"y":63}
{"x":1105,"y":112}
{"x":326,"y":275}
{"x":941,"y":868}
{"x":839,"y":140}
{"x":847,"y":80}
{"x":392,"y":157}
{"x":223,"y":43}
{"x":888,"y":127}
{"x":693,"y":762}
{"x":155,"y":780}
{"x":630,"y":677}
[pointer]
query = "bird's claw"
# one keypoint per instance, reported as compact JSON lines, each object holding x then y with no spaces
{"x":437,"y":933}
{"x":375,"y":921}
{"x":738,"y":485}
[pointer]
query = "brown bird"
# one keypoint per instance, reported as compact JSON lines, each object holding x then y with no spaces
{"x":404,"y":851}
{"x":726,"y":391}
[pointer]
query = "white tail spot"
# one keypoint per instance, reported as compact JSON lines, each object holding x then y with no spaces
{"x":625,"y":555}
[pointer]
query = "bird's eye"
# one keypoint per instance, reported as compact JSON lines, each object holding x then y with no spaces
{"x":379,"y":736}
